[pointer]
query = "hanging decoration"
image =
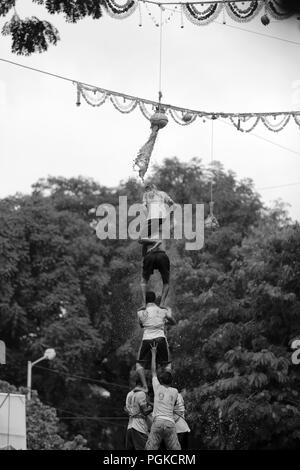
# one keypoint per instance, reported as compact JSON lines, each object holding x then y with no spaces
{"x":202,"y":13}
{"x":158,"y":121}
{"x":211,"y":221}
{"x":244,"y":122}
{"x":119,"y":11}
{"x":274,"y":9}
{"x":184,"y":118}
{"x":243,"y":12}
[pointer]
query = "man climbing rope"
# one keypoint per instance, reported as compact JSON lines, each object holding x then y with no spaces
{"x":138,"y":410}
{"x":153,"y":320}
{"x":163,"y":426}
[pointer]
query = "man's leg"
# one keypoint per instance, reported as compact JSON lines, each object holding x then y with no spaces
{"x":155,"y":436}
{"x":164,"y":269}
{"x":164,"y":295}
{"x":139,"y":439}
{"x":144,"y":290}
{"x":129,"y":443}
{"x":183,"y":438}
{"x":140,"y":370}
{"x":170,"y":437}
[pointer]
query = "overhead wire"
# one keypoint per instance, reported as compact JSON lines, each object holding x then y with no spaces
{"x":80,"y":377}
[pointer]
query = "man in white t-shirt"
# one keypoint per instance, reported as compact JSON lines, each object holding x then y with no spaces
{"x":157,"y":205}
{"x":153,"y":319}
{"x":138,"y":410}
{"x":163,"y":427}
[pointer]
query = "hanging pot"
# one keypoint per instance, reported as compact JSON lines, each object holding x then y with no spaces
{"x":159,"y":119}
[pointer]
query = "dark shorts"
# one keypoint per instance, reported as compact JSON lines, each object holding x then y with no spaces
{"x":135,"y":440}
{"x":157,"y":260}
{"x":183,"y":438}
{"x":162,"y":353}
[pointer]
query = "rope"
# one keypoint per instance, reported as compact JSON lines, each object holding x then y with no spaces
{"x":211,"y":159}
{"x":160,"y":54}
{"x":80,"y":377}
{"x":206,"y":114}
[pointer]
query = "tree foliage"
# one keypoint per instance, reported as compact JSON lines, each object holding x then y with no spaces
{"x":236,"y":302}
{"x":31,"y":34}
{"x":42,"y":424}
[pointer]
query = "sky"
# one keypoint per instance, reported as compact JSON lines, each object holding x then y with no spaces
{"x":212,"y":68}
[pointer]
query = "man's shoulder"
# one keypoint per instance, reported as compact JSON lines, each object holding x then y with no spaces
{"x":140,"y":394}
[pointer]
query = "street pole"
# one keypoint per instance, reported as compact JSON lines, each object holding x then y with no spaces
{"x":29,"y":374}
{"x":49,"y":354}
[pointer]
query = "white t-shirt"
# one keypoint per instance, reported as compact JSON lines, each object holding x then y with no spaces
{"x":180,"y":423}
{"x":164,"y":401}
{"x":134,"y":400}
{"x":157,"y":203}
{"x":153,"y":319}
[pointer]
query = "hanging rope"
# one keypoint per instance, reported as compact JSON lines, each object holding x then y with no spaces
{"x":158,"y":120}
{"x":160,"y":55}
{"x":211,"y":221}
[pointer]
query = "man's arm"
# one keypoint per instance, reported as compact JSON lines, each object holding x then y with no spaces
{"x":145,"y":408}
{"x":153,"y":360}
{"x":169,"y":317}
{"x":140,"y":317}
{"x":167,"y":199}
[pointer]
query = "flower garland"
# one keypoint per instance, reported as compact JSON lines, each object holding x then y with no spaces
{"x":126,"y":107}
{"x":238,"y":125}
{"x":201,"y":14}
{"x":95,"y":96}
{"x":185,"y":119}
{"x":275,"y":127}
{"x":147,"y":114}
{"x":118,"y":11}
{"x":244,"y":14}
{"x":273,"y":8}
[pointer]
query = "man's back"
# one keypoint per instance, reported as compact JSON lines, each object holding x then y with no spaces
{"x":135,"y":400}
{"x":153,"y":320}
{"x":164,"y":400}
{"x":157,"y":203}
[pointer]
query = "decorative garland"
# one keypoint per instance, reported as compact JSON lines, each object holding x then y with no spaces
{"x":245,"y":13}
{"x":273,"y":8}
{"x":121,"y":11}
{"x":95,"y":96}
{"x":202,"y":14}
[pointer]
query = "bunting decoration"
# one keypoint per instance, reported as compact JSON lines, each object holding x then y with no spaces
{"x":243,"y":122}
{"x":201,"y":14}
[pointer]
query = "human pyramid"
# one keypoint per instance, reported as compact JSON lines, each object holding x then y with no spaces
{"x":160,"y":424}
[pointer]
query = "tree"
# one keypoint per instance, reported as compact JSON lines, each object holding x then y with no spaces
{"x":31,"y":35}
{"x":236,"y":302}
{"x":42,"y":424}
{"x":244,"y":389}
